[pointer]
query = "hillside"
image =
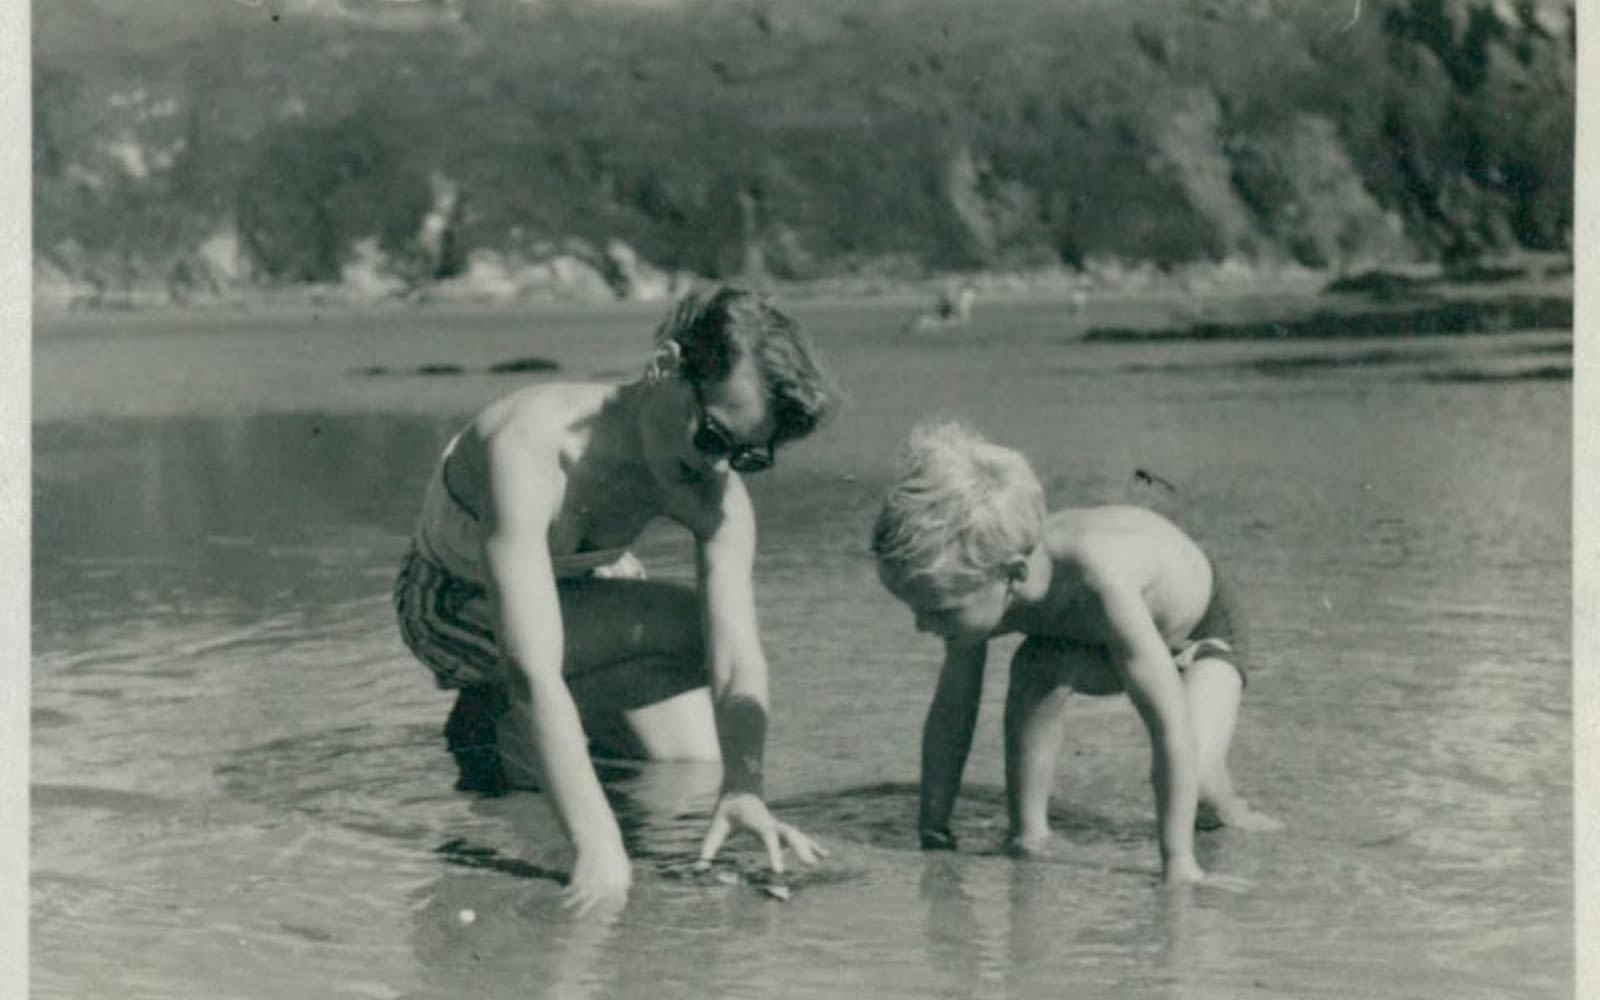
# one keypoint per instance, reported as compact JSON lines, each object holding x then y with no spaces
{"x":511,"y":148}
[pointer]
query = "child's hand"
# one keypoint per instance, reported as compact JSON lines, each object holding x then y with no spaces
{"x":938,"y":840}
{"x":1182,"y":870}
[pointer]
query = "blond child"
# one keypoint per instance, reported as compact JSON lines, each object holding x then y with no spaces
{"x":1110,"y":599}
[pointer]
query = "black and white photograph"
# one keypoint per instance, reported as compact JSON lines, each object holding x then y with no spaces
{"x":799,"y":499}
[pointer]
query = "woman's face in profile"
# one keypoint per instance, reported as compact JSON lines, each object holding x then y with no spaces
{"x":704,"y":430}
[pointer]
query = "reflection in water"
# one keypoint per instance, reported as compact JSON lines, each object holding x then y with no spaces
{"x":492,"y":901}
{"x":661,"y":809}
{"x":1012,"y":926}
{"x":237,"y":513}
{"x":958,"y":944}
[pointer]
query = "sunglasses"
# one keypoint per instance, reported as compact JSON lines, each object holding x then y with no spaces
{"x":715,"y":441}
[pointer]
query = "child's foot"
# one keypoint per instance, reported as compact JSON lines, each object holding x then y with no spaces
{"x":1033,"y":846}
{"x":1237,"y":814}
{"x":1182,"y":871}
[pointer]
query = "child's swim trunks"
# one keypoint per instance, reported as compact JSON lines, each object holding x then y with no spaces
{"x":1220,"y":631}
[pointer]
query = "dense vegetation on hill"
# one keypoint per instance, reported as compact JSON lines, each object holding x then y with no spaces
{"x":513,"y":145}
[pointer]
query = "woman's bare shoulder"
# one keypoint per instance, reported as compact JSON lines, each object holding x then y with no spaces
{"x":542,"y":412}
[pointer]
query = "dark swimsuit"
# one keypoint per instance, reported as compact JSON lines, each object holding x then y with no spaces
{"x":1219,"y":630}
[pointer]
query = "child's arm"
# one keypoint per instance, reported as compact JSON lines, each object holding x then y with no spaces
{"x":947,"y":739}
{"x":1152,"y":682}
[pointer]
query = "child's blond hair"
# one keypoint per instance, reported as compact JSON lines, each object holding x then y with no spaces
{"x":958,"y":508}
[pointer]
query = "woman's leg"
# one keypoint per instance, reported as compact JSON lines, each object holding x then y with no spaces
{"x":447,"y":624}
{"x":471,"y":734}
{"x":635,"y":661}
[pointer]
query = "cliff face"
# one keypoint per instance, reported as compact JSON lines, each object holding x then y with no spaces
{"x":510,"y":147}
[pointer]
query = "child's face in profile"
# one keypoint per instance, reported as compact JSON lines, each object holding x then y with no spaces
{"x":951,"y":612}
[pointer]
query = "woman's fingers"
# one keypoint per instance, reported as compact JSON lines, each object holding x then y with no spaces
{"x":774,"y":843}
{"x":715,"y":837}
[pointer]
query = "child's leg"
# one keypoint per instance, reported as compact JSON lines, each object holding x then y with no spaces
{"x":1214,"y":688}
{"x":1044,"y":673}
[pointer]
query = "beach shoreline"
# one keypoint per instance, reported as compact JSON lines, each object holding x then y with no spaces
{"x":1266,"y":293}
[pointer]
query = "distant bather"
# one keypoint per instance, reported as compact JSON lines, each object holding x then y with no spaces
{"x":947,"y":311}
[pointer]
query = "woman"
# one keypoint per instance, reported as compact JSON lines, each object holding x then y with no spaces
{"x":520,"y":592}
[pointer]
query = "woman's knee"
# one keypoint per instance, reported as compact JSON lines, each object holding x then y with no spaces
{"x":682,"y":728}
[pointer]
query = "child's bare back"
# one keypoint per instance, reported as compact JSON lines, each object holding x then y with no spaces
{"x":1170,"y":571}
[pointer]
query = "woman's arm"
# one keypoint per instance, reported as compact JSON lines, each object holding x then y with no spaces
{"x":522,"y":502}
{"x":725,"y":561}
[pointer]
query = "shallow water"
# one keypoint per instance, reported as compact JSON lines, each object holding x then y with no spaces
{"x":240,"y":789}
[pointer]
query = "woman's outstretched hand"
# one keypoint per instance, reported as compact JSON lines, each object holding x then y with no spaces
{"x":743,"y":810}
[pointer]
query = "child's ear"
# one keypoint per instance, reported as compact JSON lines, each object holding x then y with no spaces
{"x":1016,"y":569}
{"x":666,"y":363}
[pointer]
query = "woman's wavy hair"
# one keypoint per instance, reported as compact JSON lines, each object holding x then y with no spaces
{"x":713,"y":329}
